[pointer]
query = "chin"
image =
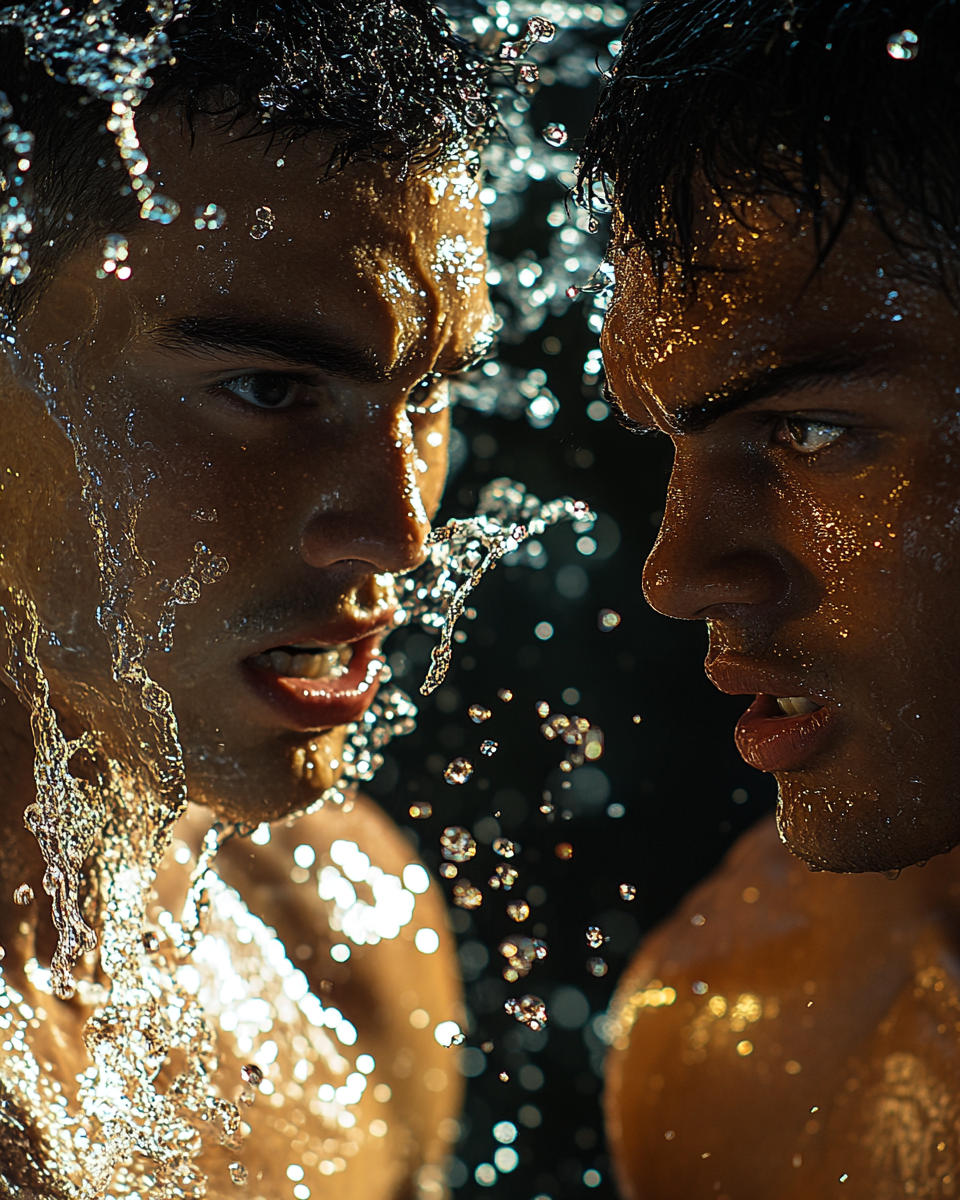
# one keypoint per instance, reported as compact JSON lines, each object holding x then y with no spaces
{"x":852,"y":830}
{"x":266,"y":783}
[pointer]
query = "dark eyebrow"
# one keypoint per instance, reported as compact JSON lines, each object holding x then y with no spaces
{"x":303,"y":346}
{"x":762,"y":385}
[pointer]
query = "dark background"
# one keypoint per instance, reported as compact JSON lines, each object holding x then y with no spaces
{"x":685,"y":793}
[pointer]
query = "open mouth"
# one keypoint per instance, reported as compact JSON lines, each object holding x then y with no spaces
{"x":782,"y":733}
{"x":314,"y":685}
{"x":306,"y":662}
{"x":797,"y":706}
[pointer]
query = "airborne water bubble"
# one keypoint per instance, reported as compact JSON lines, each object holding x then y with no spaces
{"x":488,"y":748}
{"x":628,"y":891}
{"x":505,"y":847}
{"x":458,"y":771}
{"x":555,"y":134}
{"x":456,"y":844}
{"x":528,"y":1010}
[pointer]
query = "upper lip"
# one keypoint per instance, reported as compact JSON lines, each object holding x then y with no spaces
{"x":342,"y":631}
{"x":738,"y":678}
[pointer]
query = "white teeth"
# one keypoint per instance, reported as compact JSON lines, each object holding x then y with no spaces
{"x":796,"y":706}
{"x":307,"y":663}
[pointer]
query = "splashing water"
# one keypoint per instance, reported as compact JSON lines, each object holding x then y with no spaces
{"x":462,"y":551}
{"x":86,"y":47}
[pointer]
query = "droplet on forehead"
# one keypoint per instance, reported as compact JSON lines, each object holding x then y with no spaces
{"x":263,"y":223}
{"x":209,"y":216}
{"x":161,"y":209}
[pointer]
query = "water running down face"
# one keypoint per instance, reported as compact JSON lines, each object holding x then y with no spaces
{"x":252,"y":383}
{"x":812,"y":519}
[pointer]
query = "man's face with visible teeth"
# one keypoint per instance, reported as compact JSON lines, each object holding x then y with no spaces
{"x":812,"y":519}
{"x":276,"y":405}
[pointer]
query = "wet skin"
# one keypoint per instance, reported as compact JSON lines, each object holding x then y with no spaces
{"x":806,"y":1029}
{"x":829,"y":573}
{"x":253,"y":393}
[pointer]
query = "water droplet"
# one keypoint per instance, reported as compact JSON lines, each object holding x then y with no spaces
{"x":597,"y":967}
{"x":572,"y":292}
{"x":595,"y":938}
{"x":894,"y":874}
{"x":555,"y":134}
{"x":543,"y":708}
{"x":456,"y":844}
{"x":421,"y":811}
{"x":505,"y":695}
{"x":23,"y":895}
{"x":209,"y":216}
{"x":636,"y":718}
{"x":564,"y":850}
{"x":903,"y":45}
{"x":607,"y":619}
{"x":478,"y":714}
{"x":537,"y":29}
{"x":251,"y":1073}
{"x":504,"y":1077}
{"x":161,"y":209}
{"x":489,"y":749}
{"x":151,"y":943}
{"x":458,"y":771}
{"x":238,"y":1173}
{"x":518,"y":911}
{"x":263,"y":223}
{"x":528,"y":1010}
{"x":628,"y":891}
{"x":448,"y":870}
{"x":814,"y":867}
{"x":505,"y":847}
{"x":465,"y":895}
{"x":504,"y":877}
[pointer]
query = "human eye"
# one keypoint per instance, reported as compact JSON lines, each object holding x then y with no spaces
{"x":806,"y":436}
{"x":262,"y":389}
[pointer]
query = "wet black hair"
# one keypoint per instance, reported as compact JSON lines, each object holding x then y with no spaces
{"x":386,"y":79}
{"x":826,"y":102}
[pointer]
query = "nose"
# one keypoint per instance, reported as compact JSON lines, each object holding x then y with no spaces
{"x":714,"y":558}
{"x":375,"y":512}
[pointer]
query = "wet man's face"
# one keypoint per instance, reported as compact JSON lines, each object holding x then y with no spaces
{"x":812,"y":520}
{"x":273,"y":392}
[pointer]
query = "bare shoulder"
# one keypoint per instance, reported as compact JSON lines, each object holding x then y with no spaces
{"x":800,"y":1006}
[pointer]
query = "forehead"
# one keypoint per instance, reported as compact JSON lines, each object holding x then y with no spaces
{"x":403,"y":255}
{"x":760,"y":301}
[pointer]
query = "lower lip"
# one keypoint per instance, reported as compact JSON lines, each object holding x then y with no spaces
{"x":311,"y":705}
{"x":770,"y":741}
